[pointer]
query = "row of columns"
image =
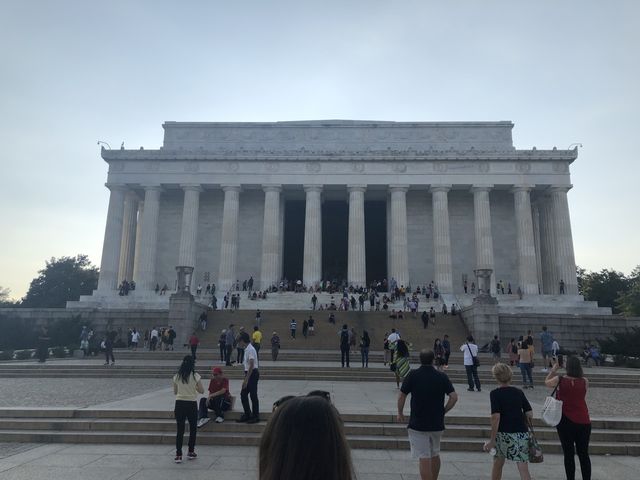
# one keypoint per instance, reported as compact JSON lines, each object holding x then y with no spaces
{"x":543,"y":237}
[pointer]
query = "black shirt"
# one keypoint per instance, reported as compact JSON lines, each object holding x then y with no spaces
{"x":427,"y":387}
{"x":510,"y":403}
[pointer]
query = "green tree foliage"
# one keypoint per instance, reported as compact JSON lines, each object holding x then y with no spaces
{"x":625,"y":343}
{"x":604,"y":286}
{"x":61,"y":280}
{"x":629,"y":302}
{"x":5,"y":298}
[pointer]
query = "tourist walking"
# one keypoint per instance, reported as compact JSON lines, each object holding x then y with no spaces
{"x":546,"y":340}
{"x":153,"y":343}
{"x":256,"y":339}
{"x":186,"y":387}
{"x":512,"y":349}
{"x":240,"y":348}
{"x":108,"y":348}
{"x":250,"y":382}
{"x":525,"y":361}
{"x":312,"y":323}
{"x":438,"y":351}
{"x":219,"y":399}
{"x":400,"y":363}
{"x":344,"y":345}
{"x":43,"y":345}
{"x":428,"y":388}
{"x":446,"y":344}
{"x":511,"y":416}
{"x":574,"y":428}
{"x":135,"y":339}
{"x":221,"y":343}
{"x":365,"y":343}
{"x":275,"y":346}
{"x":385,"y":348}
{"x":425,"y":319}
{"x":230,"y":340}
{"x":471,"y":362}
{"x":495,"y":348}
{"x":293,"y":326}
{"x":305,"y":328}
{"x":194,"y":341}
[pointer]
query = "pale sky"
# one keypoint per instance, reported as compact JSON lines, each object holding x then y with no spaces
{"x":74,"y":72}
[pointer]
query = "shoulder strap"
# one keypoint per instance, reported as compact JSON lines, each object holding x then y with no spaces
{"x":470,"y":352}
{"x":553,"y":394}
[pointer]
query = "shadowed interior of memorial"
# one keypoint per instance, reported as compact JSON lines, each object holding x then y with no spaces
{"x":293,"y":239}
{"x":335,"y":235}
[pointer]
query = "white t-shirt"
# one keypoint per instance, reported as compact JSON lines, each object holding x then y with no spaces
{"x":135,"y":337}
{"x":467,"y":355}
{"x":249,"y":353}
{"x":187,"y":391}
{"x":154,"y":333}
{"x":394,"y":337}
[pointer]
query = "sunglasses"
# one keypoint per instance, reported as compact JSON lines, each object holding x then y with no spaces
{"x":314,"y":393}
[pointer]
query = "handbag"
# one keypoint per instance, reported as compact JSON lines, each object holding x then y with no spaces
{"x":552,"y":409}
{"x":476,"y":360}
{"x":535,"y":450}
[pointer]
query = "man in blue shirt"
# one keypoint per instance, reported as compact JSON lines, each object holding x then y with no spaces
{"x":546,"y":339}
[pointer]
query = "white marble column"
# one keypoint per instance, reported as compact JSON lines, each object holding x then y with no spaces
{"x":535,"y":212}
{"x":389,"y":262}
{"x":229,"y":240}
{"x":565,"y":258}
{"x":127,"y":245}
{"x":146,"y":280}
{"x":110,"y":262}
{"x":281,"y":221}
{"x":442,"y":238}
{"x":550,"y":278}
{"x":356,"y":271}
{"x":136,"y":256}
{"x":483,"y":232}
{"x":271,"y":259}
{"x":189,"y":232}
{"x":399,"y":261}
{"x":527,"y":278}
{"x":312,"y":267}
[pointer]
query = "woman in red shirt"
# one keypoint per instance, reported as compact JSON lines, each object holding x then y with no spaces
{"x":574,"y":428}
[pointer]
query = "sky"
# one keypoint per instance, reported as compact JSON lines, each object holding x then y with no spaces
{"x":75,"y":72}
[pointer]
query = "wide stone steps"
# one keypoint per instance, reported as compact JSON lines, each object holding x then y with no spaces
{"x":376,"y":431}
{"x":308,"y":371}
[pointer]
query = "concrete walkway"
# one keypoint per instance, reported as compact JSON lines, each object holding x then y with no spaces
{"x":155,"y":462}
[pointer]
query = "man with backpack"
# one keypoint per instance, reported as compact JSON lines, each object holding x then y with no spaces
{"x":495,"y":349}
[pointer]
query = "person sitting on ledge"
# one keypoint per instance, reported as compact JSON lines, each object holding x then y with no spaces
{"x":219,"y":399}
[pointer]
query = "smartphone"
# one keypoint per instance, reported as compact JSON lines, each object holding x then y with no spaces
{"x":560,"y":360}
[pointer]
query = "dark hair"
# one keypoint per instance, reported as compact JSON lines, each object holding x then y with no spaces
{"x":255,"y":329}
{"x":365,"y":335}
{"x":573,"y":367}
{"x":426,"y":357}
{"x":402,"y":349}
{"x":435,"y":342}
{"x":186,"y":368}
{"x":544,"y":329}
{"x":344,"y":327}
{"x":244,"y":337}
{"x":470,"y":338}
{"x":305,"y":439}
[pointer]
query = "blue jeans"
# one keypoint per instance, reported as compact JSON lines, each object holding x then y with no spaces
{"x":525,"y":369}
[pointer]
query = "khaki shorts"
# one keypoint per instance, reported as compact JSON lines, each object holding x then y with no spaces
{"x":424,"y":444}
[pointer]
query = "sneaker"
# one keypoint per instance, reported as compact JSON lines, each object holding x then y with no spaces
{"x":219,"y":419}
{"x":113,"y":363}
{"x":203,"y":421}
{"x":243,"y":419}
{"x":470,"y":390}
{"x":178,"y":459}
{"x":192,"y":455}
{"x":254,"y":420}
{"x":544,"y":369}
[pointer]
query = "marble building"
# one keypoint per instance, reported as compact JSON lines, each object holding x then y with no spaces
{"x":355,"y":200}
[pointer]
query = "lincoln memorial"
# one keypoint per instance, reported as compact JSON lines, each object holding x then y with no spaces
{"x":338,"y":200}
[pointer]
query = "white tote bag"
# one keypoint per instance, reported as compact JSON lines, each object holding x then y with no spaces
{"x":552,"y":409}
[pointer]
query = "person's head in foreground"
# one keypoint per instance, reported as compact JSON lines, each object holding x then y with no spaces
{"x":305,"y":440}
{"x":502,"y":373}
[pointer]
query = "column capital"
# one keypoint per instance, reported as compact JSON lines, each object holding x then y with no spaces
{"x":196,"y":187}
{"x":398,"y":188}
{"x":440,"y":188}
{"x":116,"y":186}
{"x":522,"y":188}
{"x":230,"y":187}
{"x":481,"y":188}
{"x":312,"y":188}
{"x":272,"y":187}
{"x":357,"y":188}
{"x":559,"y":188}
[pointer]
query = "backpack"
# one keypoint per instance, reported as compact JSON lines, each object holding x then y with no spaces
{"x":514,"y":349}
{"x":344,"y":337}
{"x":495,"y":346}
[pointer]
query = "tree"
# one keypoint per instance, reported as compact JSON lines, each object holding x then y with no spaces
{"x":61,"y":280}
{"x":604,"y":286}
{"x":5,"y":297}
{"x":629,"y":302}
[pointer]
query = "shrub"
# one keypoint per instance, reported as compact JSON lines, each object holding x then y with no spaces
{"x":6,"y":355}
{"x":59,"y":352}
{"x":626,"y":343}
{"x":23,"y":354}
